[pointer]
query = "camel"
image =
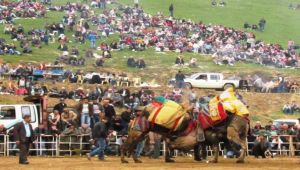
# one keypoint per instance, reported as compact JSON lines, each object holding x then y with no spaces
{"x":233,"y":130}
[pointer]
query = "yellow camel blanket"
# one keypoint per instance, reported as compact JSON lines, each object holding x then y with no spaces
{"x":168,"y":114}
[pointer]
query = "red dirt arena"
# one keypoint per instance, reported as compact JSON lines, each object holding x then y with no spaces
{"x":113,"y":163}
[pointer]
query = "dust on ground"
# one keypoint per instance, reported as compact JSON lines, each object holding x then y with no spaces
{"x":113,"y":163}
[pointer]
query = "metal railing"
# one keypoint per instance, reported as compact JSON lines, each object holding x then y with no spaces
{"x":3,"y":145}
{"x":58,"y":145}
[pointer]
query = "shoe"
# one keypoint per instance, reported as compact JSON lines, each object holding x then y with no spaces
{"x":24,"y":163}
{"x":88,"y":155}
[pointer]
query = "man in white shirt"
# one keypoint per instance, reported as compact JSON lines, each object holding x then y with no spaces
{"x":24,"y":137}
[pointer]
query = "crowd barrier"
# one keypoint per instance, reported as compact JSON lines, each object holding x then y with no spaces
{"x":60,"y":145}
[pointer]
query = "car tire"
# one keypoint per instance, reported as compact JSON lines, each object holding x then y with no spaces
{"x":188,"y":85}
{"x":226,"y":86}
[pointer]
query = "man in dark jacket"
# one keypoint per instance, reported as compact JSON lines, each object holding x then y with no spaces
{"x":179,"y":78}
{"x":126,"y":117}
{"x":109,"y":111}
{"x":24,"y":136}
{"x":99,"y":134}
{"x":262,"y":146}
{"x":60,"y":106}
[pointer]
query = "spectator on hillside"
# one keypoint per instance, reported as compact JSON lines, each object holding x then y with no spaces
{"x":136,"y":3}
{"x":294,"y":107}
{"x":222,"y":3}
{"x":213,"y":2}
{"x":97,"y":109}
{"x":140,"y":64}
{"x":261,"y":24}
{"x":179,"y":60}
{"x":285,"y":130}
{"x":273,"y":130}
{"x":85,"y":130}
{"x":269,"y":125}
{"x":67,"y":116}
{"x":71,"y":130}
{"x":60,"y":106}
{"x":62,"y":47}
{"x":92,"y":37}
{"x":193,"y":62}
{"x":109,"y":111}
{"x":99,"y":62}
{"x":257,"y":128}
{"x":171,"y":10}
{"x":287,"y":109}
{"x":131,"y":62}
{"x":102,"y":4}
{"x":85,"y":109}
{"x":192,"y":96}
{"x":179,"y":78}
{"x":54,"y":119}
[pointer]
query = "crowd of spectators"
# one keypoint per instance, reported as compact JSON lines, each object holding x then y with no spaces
{"x":274,"y":137}
{"x":277,"y":84}
{"x":33,"y":38}
{"x":291,"y":108}
{"x":9,"y":10}
{"x":138,"y":30}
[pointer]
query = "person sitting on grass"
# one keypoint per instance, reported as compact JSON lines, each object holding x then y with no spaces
{"x":130,"y":62}
{"x":287,"y":108}
{"x":140,"y":64}
{"x":179,"y":60}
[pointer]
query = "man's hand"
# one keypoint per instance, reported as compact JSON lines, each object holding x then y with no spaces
{"x":18,"y":142}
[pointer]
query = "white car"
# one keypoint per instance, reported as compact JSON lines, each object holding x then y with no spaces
{"x":290,"y":122}
{"x":12,"y":114}
{"x":210,"y":81}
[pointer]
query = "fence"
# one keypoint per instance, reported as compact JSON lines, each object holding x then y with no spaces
{"x":59,"y":145}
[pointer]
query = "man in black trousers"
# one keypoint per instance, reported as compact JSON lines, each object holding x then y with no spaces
{"x":24,"y":137}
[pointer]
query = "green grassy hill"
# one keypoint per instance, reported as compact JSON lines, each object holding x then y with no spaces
{"x":282,"y":24}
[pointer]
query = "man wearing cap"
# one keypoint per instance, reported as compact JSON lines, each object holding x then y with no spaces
{"x":140,"y":125}
{"x":262,"y":146}
{"x":60,"y":106}
{"x":24,"y":136}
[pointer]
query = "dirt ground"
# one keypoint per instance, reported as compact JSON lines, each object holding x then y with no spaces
{"x":113,"y":163}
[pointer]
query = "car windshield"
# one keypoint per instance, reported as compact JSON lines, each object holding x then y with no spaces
{"x":279,"y":123}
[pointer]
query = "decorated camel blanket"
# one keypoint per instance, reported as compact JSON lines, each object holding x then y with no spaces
{"x":166,"y":113}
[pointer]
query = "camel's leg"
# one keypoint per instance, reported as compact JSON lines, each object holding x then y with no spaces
{"x":168,"y":153}
{"x":124,"y":148}
{"x":235,"y":137}
{"x":215,"y":158}
{"x":197,"y":156}
{"x":130,"y":144}
{"x":203,"y":151}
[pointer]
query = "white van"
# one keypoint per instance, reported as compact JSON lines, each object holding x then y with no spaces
{"x":290,"y":122}
{"x":12,"y":114}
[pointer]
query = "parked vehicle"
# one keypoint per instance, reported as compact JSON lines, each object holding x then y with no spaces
{"x":13,"y":114}
{"x":210,"y":81}
{"x":290,"y":122}
{"x":50,"y":72}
